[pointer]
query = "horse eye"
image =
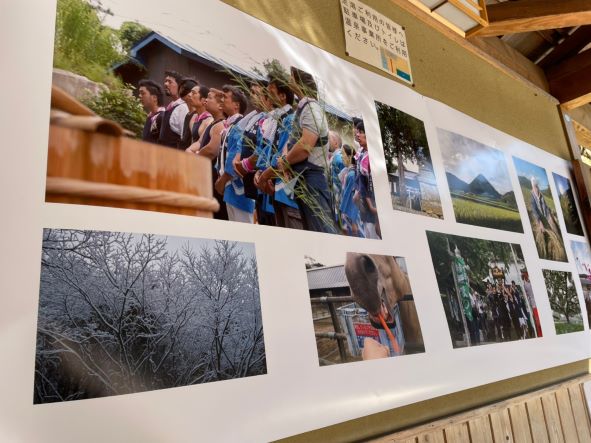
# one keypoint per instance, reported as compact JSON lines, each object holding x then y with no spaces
{"x":368,"y":264}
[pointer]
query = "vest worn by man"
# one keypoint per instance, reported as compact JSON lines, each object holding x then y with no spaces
{"x":186,"y":139}
{"x":197,"y":125}
{"x":222,"y":214}
{"x":320,"y":149}
{"x":152,"y":127}
{"x":167,"y":136}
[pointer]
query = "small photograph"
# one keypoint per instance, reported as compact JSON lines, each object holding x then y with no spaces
{"x":408,"y":161}
{"x":564,"y":301}
{"x":479,"y":183}
{"x":362,"y":308}
{"x":540,"y":210}
{"x":582,"y":255}
{"x":485,"y":290}
{"x":566,"y":198}
{"x":122,"y":313}
{"x":154,"y":113}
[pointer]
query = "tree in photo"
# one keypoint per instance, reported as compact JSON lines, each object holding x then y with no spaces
{"x":402,"y":136}
{"x":122,"y":313}
{"x":408,"y":162}
{"x":82,"y":43}
{"x":130,"y":33}
{"x":564,"y":301}
{"x":87,"y":47}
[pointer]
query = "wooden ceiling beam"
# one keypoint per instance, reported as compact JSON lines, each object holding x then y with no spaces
{"x":537,"y":81}
{"x":570,"y":81}
{"x":533,"y":15}
{"x":548,"y":36}
{"x":569,"y":47}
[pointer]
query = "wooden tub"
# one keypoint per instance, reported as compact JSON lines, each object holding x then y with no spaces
{"x":92,"y":168}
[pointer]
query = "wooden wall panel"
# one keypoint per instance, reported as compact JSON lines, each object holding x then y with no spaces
{"x":556,"y":414}
{"x":535,"y":412}
{"x":501,"y":426}
{"x":552,"y":418}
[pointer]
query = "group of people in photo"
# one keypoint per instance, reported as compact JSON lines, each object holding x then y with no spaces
{"x":503,"y":313}
{"x":486,"y":292}
{"x":276,"y":158}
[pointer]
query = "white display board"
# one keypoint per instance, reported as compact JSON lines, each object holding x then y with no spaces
{"x":296,"y":395}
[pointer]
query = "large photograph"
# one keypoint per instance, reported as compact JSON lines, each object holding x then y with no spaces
{"x":479,"y":183}
{"x":566,"y":198}
{"x":485,"y":290}
{"x":183,"y":120}
{"x":362,"y":308}
{"x":540,"y":210}
{"x":582,"y":254}
{"x":564,"y":301}
{"x":408,"y":162}
{"x":121,"y":313}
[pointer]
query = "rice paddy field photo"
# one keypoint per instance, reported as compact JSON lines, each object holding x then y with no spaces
{"x":486,"y":213}
{"x":479,"y":183}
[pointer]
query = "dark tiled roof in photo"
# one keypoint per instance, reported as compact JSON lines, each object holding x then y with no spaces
{"x":328,"y":277}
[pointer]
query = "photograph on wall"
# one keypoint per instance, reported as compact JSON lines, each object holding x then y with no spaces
{"x":564,"y":301}
{"x":122,"y":313}
{"x":566,"y":198}
{"x":485,"y":290}
{"x":362,"y":308}
{"x":479,"y":183}
{"x":408,"y":162}
{"x":541,"y":210}
{"x":582,"y":255}
{"x":166,"y":118}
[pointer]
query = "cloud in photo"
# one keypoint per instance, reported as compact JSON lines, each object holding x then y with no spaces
{"x":467,"y":158}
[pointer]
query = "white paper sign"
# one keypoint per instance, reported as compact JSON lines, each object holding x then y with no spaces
{"x":375,"y":39}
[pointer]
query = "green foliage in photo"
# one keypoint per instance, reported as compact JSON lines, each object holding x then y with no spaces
{"x":120,"y":105}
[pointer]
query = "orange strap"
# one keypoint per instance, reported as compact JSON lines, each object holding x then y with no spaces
{"x":390,"y":335}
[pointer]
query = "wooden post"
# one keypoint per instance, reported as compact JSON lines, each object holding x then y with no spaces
{"x":337,"y":328}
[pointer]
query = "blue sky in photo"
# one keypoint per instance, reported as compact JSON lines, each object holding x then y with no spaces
{"x":529,"y":170}
{"x":562,"y":183}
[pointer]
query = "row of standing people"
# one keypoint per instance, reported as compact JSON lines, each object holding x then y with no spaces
{"x":277,"y":165}
{"x":502,"y":314}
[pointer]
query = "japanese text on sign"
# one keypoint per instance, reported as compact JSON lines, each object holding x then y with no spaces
{"x":373,"y":38}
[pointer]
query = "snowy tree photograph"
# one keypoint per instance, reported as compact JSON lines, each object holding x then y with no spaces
{"x":121,"y":313}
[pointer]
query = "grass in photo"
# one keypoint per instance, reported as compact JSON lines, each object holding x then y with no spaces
{"x":564,"y":301}
{"x":479,"y":183}
{"x":408,"y":162}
